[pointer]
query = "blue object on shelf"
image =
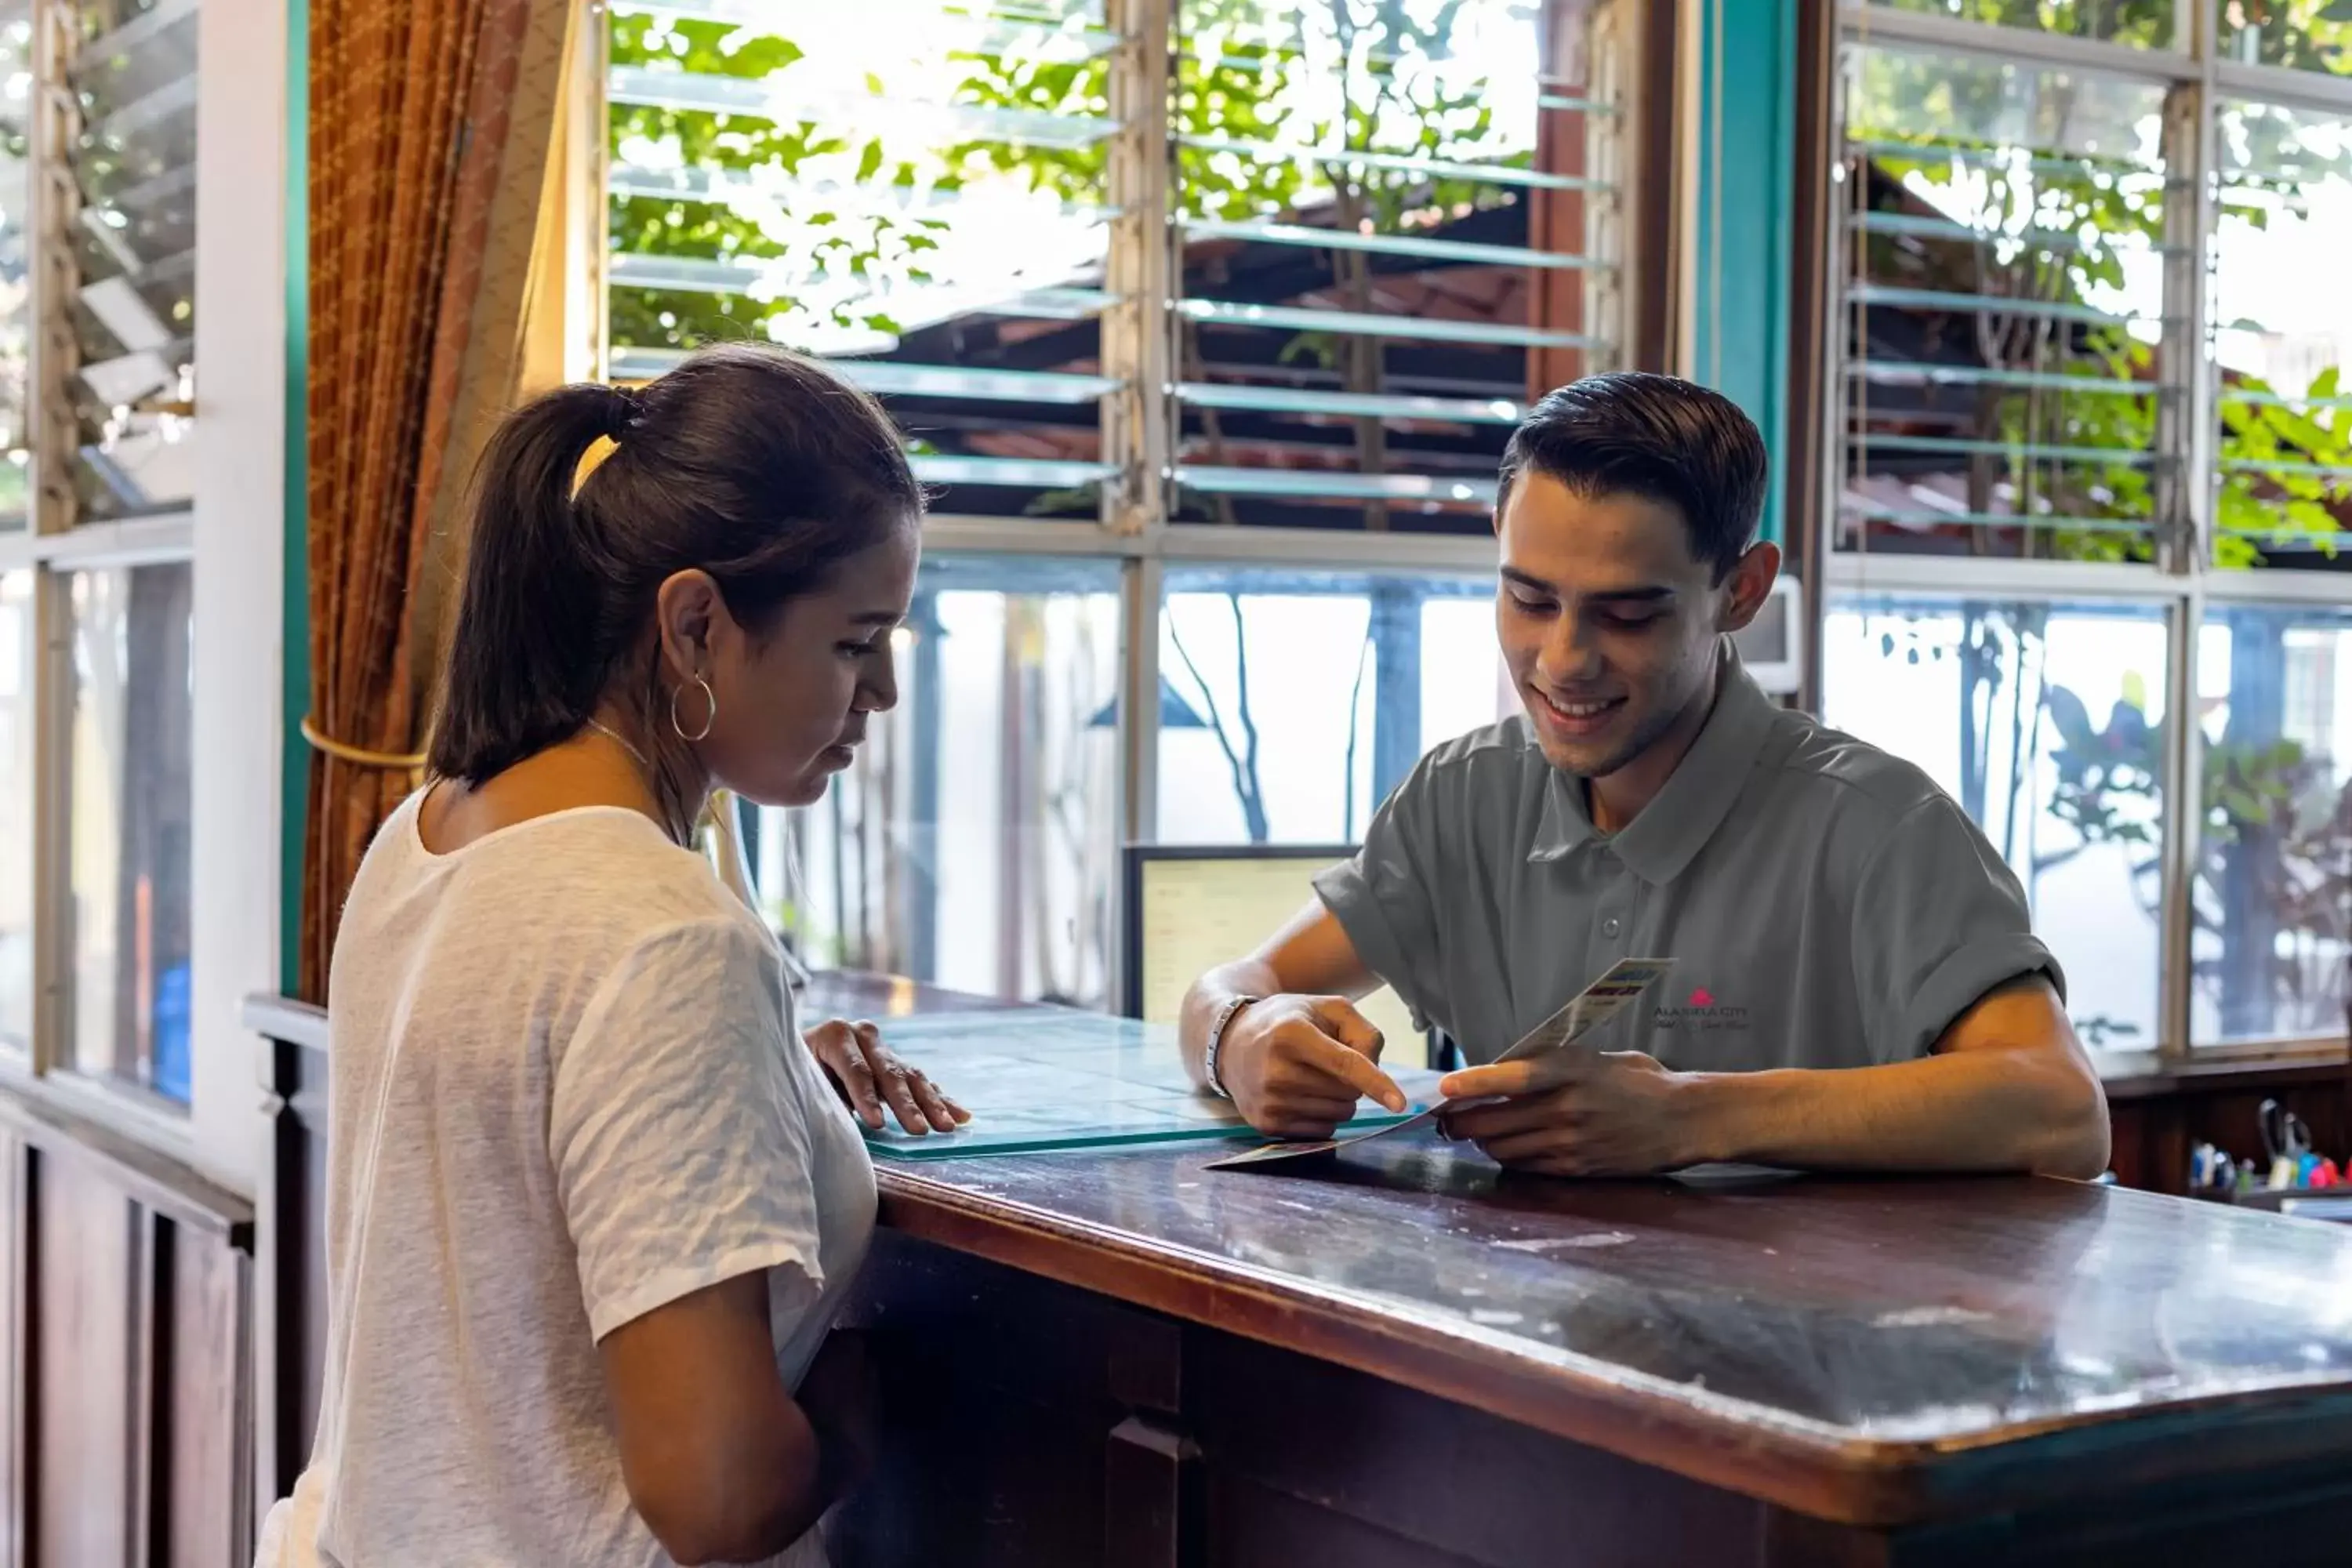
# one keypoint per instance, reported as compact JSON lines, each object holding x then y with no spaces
{"x":171,"y":1022}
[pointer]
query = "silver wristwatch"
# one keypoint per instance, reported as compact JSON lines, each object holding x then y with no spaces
{"x":1225,"y":1015}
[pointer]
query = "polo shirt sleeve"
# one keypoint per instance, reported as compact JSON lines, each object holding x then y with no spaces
{"x":1386,"y":898}
{"x":1940,"y":920}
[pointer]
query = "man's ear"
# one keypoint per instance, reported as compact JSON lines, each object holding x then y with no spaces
{"x":1750,"y":580}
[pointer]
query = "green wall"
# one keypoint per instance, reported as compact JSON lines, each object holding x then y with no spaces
{"x":1746,"y":167}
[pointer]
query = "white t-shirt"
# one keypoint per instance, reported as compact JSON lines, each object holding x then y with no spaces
{"x":567,"y":1087}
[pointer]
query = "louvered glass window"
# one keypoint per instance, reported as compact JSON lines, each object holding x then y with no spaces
{"x":1395,"y":226}
{"x":133,"y":240}
{"x":2003,"y":258}
{"x":917,"y":191}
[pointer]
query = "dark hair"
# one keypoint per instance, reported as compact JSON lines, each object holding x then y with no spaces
{"x":759,"y":466}
{"x":1668,"y":440}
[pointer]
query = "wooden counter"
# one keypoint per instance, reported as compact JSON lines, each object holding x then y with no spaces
{"x":1120,"y":1358}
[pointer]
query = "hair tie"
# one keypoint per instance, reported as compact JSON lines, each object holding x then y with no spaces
{"x":621,"y":411}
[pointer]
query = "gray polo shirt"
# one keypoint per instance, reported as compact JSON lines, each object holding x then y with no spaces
{"x":1827,"y":904}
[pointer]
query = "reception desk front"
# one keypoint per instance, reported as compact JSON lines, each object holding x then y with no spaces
{"x":1119,"y":1357}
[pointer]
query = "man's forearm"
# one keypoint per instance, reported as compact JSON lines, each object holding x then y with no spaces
{"x":1971,"y":1110}
{"x":1242,"y":977}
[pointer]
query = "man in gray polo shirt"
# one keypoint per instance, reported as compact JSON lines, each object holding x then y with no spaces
{"x":1857,"y":984}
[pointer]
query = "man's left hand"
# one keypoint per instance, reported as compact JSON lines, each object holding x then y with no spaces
{"x":867,"y":1077}
{"x":1576,"y":1113}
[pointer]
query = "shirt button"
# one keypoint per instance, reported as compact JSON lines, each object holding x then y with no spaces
{"x":1609,"y":926}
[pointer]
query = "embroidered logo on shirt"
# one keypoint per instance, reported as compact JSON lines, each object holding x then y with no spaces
{"x":1702,"y":1012}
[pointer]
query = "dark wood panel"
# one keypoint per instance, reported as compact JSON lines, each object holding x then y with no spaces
{"x":1878,"y":1352}
{"x":148,"y":1176}
{"x":2265,"y":1073}
{"x":201,"y":1389}
{"x":124,"y":1300}
{"x":1152,"y":1479}
{"x":85,"y":1279}
{"x":15,"y":1231}
{"x":1253,"y":1526}
{"x":997,"y":1392}
{"x":996,"y":1407}
{"x":290,"y":1260}
{"x":1422,"y":1480}
{"x":2159,"y":1118}
{"x":2292,"y":1516}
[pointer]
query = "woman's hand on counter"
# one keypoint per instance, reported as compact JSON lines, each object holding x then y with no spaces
{"x":868,"y":1077}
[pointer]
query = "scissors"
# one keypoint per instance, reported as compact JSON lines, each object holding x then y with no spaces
{"x":2285,"y":1139}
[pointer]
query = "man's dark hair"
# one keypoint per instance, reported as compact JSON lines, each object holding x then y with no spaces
{"x":1668,"y":441}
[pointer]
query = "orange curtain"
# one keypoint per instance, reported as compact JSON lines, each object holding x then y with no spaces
{"x":432,"y":124}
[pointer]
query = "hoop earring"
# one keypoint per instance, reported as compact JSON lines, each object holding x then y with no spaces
{"x":708,"y":718}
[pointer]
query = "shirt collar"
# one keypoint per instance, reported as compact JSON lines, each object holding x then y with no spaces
{"x":1677,"y":823}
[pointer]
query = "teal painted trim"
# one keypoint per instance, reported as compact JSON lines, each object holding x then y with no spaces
{"x":1747,"y":191}
{"x":294,"y":786}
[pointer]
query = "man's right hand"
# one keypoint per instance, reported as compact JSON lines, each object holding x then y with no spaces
{"x":1297,"y":1066}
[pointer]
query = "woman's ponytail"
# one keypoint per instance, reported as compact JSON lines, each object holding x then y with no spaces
{"x":528,"y":662}
{"x":761,"y":468}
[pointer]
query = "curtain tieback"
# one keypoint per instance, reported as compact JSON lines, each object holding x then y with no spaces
{"x":410,"y":762}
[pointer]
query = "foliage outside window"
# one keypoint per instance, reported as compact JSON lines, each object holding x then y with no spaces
{"x":2088,"y":342}
{"x":1384,"y":229}
{"x":1273,"y":269}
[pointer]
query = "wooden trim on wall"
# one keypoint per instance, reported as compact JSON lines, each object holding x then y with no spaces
{"x":1650,"y":222}
{"x":125,"y":1415}
{"x":16,"y":1238}
{"x":1806,"y":442}
{"x":154,"y":1180}
{"x":284,"y":1018}
{"x":288,"y":1266}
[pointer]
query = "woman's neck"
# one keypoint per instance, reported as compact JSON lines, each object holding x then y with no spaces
{"x":600,"y":765}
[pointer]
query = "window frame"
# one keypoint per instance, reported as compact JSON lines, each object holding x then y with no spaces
{"x":2197,"y":83}
{"x":53,"y":546}
{"x":1140,"y":418}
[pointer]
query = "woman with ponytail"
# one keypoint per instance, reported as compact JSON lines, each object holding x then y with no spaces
{"x":591,"y":1197}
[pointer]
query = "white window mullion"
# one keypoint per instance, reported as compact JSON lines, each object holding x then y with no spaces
{"x":2180,"y":828}
{"x":2185,"y":426}
{"x":125,"y":542}
{"x":2193,"y":217}
{"x":2283,"y":85}
{"x":1136,"y":340}
{"x":1985,"y":41}
{"x":1142,"y":588}
{"x":54,"y":200}
{"x":53,"y":910}
{"x":48,"y":439}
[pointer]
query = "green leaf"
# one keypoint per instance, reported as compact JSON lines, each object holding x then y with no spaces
{"x":871,"y":163}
